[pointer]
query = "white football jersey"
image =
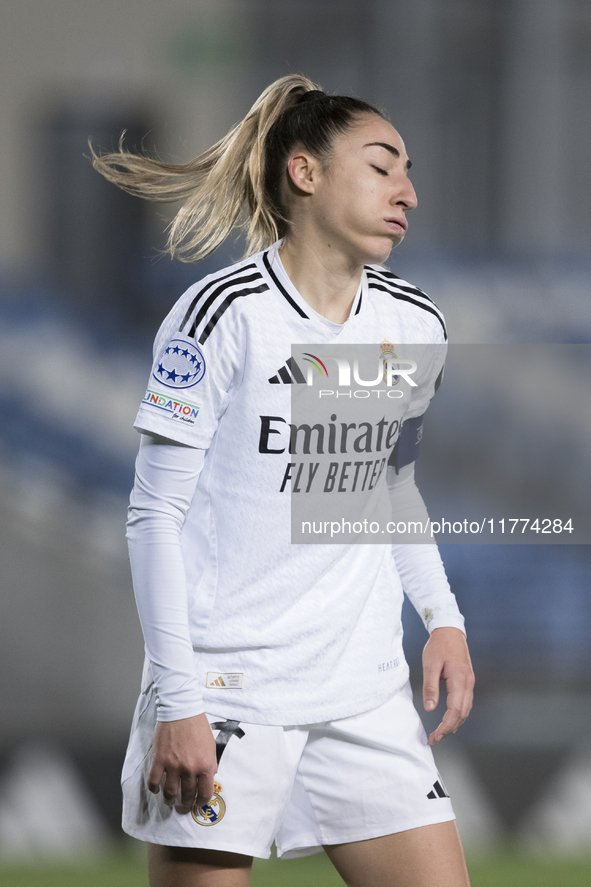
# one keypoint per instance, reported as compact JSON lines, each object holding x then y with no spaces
{"x":283,"y":633}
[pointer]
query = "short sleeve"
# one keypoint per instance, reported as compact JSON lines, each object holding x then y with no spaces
{"x":430,"y":362}
{"x":190,"y":384}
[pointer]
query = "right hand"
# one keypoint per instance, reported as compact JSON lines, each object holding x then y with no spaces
{"x":184,"y":753}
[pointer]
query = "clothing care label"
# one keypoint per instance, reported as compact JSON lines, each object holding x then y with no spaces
{"x":224,"y":680}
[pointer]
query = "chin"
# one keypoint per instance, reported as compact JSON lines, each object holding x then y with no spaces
{"x":374,"y":251}
{"x":379,"y":256}
{"x":381,"y":248}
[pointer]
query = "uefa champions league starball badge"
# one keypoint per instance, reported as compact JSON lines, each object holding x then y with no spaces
{"x":180,"y":365}
{"x":212,"y":812}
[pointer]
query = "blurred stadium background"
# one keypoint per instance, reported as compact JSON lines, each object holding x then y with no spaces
{"x":492,"y":98}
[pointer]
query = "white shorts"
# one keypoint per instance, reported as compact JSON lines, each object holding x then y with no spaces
{"x":331,"y":783}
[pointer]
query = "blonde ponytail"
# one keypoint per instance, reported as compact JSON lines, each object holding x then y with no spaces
{"x":219,"y":184}
{"x":238,"y":181}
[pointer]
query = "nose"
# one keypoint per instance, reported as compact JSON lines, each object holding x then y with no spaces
{"x":406,"y":195}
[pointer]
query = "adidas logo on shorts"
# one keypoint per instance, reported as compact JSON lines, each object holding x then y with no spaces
{"x":437,"y":792}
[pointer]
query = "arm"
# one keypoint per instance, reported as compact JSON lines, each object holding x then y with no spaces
{"x":184,"y":748}
{"x":421,"y":570}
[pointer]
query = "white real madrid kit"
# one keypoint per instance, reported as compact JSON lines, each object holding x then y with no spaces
{"x":239,"y":622}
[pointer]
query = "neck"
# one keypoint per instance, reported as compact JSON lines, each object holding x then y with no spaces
{"x":326,"y":279}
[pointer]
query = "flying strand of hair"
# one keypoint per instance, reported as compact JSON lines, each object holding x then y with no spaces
{"x":221,"y":189}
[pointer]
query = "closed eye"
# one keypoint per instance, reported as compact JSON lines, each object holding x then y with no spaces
{"x":382,"y":172}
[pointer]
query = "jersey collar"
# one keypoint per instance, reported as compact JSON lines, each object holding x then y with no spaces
{"x":276,"y":272}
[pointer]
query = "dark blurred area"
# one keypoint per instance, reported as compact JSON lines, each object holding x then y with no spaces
{"x":96,"y":233}
{"x":492,"y":98}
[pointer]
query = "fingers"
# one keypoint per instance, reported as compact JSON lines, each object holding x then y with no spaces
{"x":450,"y":723}
{"x":446,"y":657}
{"x":433,"y":665}
{"x":184,"y":762}
{"x":205,"y":789}
{"x":181,"y":788}
{"x":155,"y":777}
{"x":431,"y":677}
{"x":432,"y":673}
{"x":197,"y":787}
{"x":460,"y":689}
{"x":188,"y":789}
{"x":170,"y":789}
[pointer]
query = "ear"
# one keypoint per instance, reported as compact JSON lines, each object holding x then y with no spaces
{"x":303,"y":171}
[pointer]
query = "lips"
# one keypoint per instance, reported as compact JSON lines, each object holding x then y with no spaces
{"x":401,"y":222}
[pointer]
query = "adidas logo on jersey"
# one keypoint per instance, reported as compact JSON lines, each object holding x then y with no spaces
{"x":224,"y":681}
{"x":288,"y":374}
{"x":438,"y":792}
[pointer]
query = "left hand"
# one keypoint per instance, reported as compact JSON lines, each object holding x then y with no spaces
{"x":446,"y":657}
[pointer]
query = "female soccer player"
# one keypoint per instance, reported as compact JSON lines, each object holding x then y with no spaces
{"x":275,"y":702}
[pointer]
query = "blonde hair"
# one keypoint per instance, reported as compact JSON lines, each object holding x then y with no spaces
{"x":237,"y":182}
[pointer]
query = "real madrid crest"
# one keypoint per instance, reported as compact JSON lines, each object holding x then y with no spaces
{"x":212,"y":812}
{"x":387,"y":354}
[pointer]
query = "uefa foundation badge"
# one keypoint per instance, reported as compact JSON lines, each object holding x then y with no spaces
{"x":213,"y":812}
{"x":181,"y":365}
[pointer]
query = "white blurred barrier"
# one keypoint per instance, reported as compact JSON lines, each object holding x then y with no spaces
{"x":45,"y":809}
{"x":561,"y":822}
{"x":477,"y":821}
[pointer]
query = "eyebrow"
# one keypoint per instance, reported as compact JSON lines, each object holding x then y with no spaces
{"x":389,"y":148}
